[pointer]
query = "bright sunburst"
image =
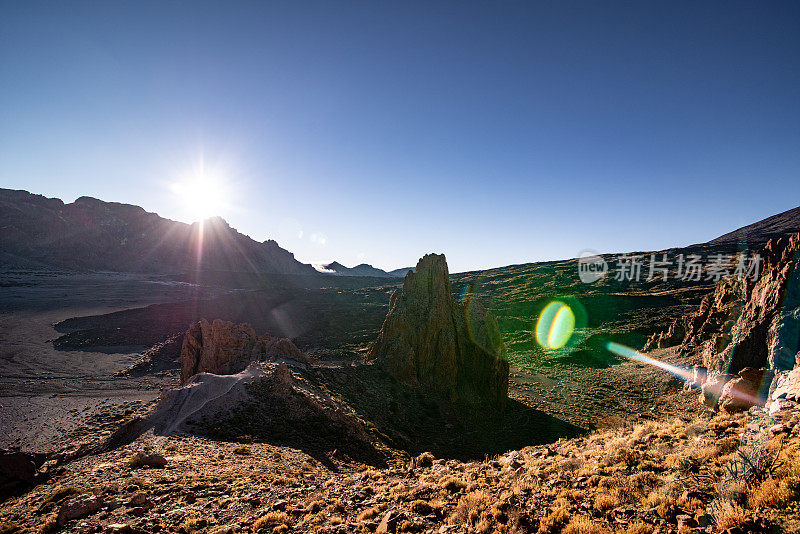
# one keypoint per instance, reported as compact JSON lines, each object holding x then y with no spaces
{"x":202,"y":193}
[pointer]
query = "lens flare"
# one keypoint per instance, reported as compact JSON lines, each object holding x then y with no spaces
{"x":683,"y":373}
{"x":555,"y":326}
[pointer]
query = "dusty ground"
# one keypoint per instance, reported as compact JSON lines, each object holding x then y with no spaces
{"x":661,"y":477}
{"x":46,"y":394}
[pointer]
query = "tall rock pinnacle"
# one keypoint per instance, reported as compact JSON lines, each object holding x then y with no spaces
{"x":431,"y":341}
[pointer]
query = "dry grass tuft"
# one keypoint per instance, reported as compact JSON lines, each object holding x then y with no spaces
{"x":369,"y":513}
{"x":272,"y":518}
{"x":605,"y":501}
{"x":732,"y":516}
{"x":584,"y":525}
{"x":554,"y":521}
{"x":639,"y":528}
{"x":469,"y":508}
{"x":453,"y":484}
{"x":421,"y":507}
{"x":61,"y":492}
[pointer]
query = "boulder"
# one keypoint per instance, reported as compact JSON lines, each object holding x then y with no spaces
{"x":17,"y":470}
{"x":712,"y":389}
{"x":431,"y":341}
{"x":224,"y":348}
{"x":749,"y":389}
{"x":79,"y":506}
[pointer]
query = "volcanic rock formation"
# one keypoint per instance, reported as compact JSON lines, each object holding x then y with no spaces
{"x":431,"y":341}
{"x":750,"y":327}
{"x":221,"y":347}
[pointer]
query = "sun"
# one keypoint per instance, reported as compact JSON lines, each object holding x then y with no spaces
{"x":202,"y":195}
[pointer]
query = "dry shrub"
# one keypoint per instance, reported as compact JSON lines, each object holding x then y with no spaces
{"x":605,"y":501}
{"x":639,"y":528}
{"x":584,"y":525}
{"x":731,"y":516}
{"x":469,"y":508}
{"x":271,"y":518}
{"x":369,"y":513}
{"x":453,"y":484}
{"x":554,"y":521}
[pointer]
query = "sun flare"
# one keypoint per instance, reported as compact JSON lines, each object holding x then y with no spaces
{"x":202,"y":195}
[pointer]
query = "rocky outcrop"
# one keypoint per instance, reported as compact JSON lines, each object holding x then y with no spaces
{"x":18,"y":470}
{"x":431,"y":341}
{"x":746,"y":323}
{"x":746,"y":327}
{"x":221,"y":347}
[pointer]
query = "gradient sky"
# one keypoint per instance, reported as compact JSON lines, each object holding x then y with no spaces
{"x":495,"y":132}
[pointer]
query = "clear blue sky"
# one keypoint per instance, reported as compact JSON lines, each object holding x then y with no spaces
{"x":495,"y":132}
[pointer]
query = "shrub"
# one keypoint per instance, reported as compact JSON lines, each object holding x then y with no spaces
{"x":732,"y":516}
{"x":453,"y":484}
{"x":583,"y":525}
{"x":272,"y":518}
{"x":605,"y":501}
{"x":554,"y":521}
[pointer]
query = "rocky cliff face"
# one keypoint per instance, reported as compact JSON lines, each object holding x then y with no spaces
{"x":221,"y":347}
{"x":752,"y":323}
{"x":431,"y":341}
{"x":746,"y":327}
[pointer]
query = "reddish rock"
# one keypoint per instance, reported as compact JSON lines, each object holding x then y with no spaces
{"x":747,"y":323}
{"x":712,"y":389}
{"x":431,"y":341}
{"x":221,"y":347}
{"x":750,"y":389}
{"x":78,"y":507}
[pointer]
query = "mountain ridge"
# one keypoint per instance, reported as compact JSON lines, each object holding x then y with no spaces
{"x":92,"y":234}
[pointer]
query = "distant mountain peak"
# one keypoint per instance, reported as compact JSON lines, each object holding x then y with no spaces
{"x":362,"y":269}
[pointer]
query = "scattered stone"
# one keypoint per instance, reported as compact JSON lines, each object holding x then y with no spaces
{"x":138,"y":499}
{"x":142,"y":459}
{"x":79,"y":506}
